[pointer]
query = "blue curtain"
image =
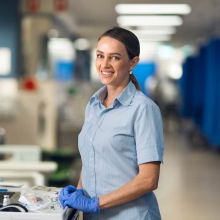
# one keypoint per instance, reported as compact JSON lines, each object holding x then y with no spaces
{"x":210,"y":89}
{"x":214,"y":137}
{"x":201,"y":82}
{"x":200,"y":86}
{"x":183,"y":87}
{"x":187,"y":83}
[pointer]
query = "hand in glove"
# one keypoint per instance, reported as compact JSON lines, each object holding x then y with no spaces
{"x":77,"y":200}
{"x":66,"y":191}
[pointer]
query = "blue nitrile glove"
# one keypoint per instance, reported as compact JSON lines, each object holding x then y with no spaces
{"x":66,"y":191}
{"x":78,"y":201}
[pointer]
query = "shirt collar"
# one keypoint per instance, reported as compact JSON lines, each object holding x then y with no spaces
{"x":124,"y":98}
{"x":127,"y":94}
{"x":99,"y":96}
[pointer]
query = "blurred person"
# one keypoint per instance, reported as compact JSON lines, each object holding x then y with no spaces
{"x":121,"y":142}
{"x":168,"y":98}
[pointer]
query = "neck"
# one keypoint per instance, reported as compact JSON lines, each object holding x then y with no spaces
{"x":115,"y":91}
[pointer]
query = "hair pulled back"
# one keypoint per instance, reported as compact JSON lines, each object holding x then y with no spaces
{"x":131,"y":43}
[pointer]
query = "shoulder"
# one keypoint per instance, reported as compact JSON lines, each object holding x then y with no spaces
{"x":141,"y":101}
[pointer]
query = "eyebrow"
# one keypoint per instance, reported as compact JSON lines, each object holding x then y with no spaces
{"x":110,"y":53}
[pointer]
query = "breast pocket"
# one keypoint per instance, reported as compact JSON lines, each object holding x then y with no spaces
{"x":82,"y":135}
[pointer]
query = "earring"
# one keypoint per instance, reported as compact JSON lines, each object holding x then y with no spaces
{"x":130,"y":72}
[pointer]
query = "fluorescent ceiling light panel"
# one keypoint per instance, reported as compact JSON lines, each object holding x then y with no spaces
{"x":152,"y":40}
{"x":149,"y":20}
{"x":167,"y":28}
{"x":153,"y":32}
{"x":156,"y":37}
{"x":152,"y":9}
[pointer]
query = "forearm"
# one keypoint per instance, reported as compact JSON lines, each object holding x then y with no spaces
{"x":130,"y":191}
{"x":134,"y":189}
{"x":79,"y":185}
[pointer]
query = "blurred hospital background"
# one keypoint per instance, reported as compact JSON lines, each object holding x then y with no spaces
{"x":48,"y":74}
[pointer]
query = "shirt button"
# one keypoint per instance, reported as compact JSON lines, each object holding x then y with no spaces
{"x":91,"y":159}
{"x":90,"y":139}
{"x":98,"y":122}
{"x":92,"y":180}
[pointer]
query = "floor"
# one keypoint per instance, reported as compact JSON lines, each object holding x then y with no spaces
{"x":189,"y":187}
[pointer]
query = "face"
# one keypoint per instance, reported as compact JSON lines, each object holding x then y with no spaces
{"x":112,"y":62}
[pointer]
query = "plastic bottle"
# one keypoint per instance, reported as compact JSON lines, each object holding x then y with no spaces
{"x":55,"y":202}
{"x":55,"y":197}
{"x":6,"y":200}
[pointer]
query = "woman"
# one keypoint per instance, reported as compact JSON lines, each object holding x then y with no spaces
{"x":121,"y":142}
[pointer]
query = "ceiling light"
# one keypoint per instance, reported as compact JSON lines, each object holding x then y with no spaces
{"x":156,"y":28}
{"x":165,"y":52}
{"x":154,"y":38}
{"x":149,"y":20}
{"x":152,"y":32}
{"x":170,"y":28}
{"x":81,"y":44}
{"x":175,"y":71}
{"x":152,"y":9}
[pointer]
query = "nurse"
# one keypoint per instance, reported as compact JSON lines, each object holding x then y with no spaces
{"x":121,"y":143}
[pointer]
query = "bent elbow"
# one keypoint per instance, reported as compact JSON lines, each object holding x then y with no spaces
{"x":154,"y":186}
{"x":150,"y":186}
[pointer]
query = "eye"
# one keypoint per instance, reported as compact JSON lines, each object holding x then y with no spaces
{"x":99,"y":56}
{"x":115,"y":58}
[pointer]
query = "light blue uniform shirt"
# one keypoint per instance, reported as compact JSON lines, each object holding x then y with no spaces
{"x":112,"y":143}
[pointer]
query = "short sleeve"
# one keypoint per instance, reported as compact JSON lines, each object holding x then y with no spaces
{"x":148,"y":134}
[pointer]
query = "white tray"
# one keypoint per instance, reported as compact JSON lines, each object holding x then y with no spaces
{"x":30,"y":216}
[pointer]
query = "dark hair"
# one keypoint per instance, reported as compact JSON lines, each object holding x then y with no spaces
{"x":131,"y":43}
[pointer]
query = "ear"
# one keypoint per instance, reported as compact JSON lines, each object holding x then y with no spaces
{"x":134,"y":62}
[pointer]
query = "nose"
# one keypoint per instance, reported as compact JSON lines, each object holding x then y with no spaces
{"x":106,"y":63}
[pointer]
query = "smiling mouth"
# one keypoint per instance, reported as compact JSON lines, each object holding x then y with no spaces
{"x":107,"y":73}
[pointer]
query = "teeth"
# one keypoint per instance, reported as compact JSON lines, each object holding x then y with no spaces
{"x":107,"y":73}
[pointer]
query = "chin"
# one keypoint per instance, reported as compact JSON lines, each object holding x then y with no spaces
{"x":105,"y":83}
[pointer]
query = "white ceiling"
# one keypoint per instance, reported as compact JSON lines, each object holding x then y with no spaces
{"x":90,"y":18}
